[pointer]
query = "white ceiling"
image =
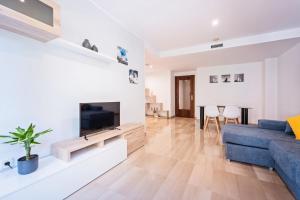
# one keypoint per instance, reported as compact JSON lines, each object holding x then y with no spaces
{"x":167,"y":25}
{"x":244,"y":54}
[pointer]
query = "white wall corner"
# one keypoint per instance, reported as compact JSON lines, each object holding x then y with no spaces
{"x":288,"y":83}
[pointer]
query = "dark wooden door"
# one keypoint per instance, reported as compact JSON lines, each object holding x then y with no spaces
{"x":185,"y":96}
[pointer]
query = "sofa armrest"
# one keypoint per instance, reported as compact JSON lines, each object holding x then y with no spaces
{"x":272,"y":124}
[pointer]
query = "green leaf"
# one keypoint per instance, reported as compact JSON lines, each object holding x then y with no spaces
{"x":20,"y":130}
{"x":34,"y":142}
{"x":25,"y":140}
{"x":30,"y":131}
{"x":10,"y":142}
{"x":42,"y":133}
{"x":17,"y":135}
{"x":5,"y":136}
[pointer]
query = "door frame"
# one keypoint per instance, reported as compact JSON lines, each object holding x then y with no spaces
{"x":185,"y":113}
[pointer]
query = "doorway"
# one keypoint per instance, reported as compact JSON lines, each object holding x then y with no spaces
{"x":185,"y":96}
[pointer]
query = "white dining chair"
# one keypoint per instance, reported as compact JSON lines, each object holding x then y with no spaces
{"x":212,"y":114}
{"x":231,"y":113}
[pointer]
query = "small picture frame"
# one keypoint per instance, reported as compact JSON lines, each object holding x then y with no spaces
{"x":226,"y":78}
{"x":238,"y":78}
{"x":133,"y":76}
{"x":122,"y":55}
{"x":213,"y":79}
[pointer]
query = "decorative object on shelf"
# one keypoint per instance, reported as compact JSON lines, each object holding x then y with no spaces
{"x":226,"y":78}
{"x":213,"y":79}
{"x":94,"y":48}
{"x":122,"y":56}
{"x":86,"y":44}
{"x":29,"y":163}
{"x":239,"y":78}
{"x":133,"y":76}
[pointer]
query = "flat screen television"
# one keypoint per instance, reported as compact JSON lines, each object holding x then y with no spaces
{"x":96,"y":117}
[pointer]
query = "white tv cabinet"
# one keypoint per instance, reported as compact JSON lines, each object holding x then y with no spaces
{"x":134,"y":133}
{"x":74,"y":164}
{"x":56,"y":179}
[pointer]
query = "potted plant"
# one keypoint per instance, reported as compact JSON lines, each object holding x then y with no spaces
{"x":28,"y":163}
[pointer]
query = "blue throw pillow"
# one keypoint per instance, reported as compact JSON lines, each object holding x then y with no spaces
{"x":288,"y":129}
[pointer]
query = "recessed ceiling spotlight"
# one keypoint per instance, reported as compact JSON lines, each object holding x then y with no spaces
{"x":22,"y":1}
{"x":215,"y":22}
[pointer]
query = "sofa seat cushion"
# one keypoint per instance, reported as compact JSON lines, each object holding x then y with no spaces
{"x":252,"y":136}
{"x":287,"y":157}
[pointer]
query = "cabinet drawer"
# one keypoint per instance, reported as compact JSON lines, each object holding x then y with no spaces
{"x":135,"y":139}
{"x":135,"y":134}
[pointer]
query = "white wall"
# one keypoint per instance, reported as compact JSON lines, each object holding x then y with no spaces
{"x":288,"y":83}
{"x":159,"y":83}
{"x":248,"y":93}
{"x":45,"y":85}
{"x":271,"y":88}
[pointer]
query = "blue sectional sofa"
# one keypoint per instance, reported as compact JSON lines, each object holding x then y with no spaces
{"x":270,"y":144}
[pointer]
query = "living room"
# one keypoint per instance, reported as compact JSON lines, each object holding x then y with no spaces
{"x":76,"y":124}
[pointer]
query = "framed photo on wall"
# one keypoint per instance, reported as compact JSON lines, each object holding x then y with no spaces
{"x":226,"y":78}
{"x":133,"y":76}
{"x":213,"y":79}
{"x":239,"y":78}
{"x":122,"y":56}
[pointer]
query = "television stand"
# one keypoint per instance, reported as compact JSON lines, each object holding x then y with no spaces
{"x":133,"y":133}
{"x":85,"y":137}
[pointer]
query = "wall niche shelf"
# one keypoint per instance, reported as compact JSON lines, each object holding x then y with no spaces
{"x":75,"y":48}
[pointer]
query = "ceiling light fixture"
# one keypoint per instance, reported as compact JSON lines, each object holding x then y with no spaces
{"x":22,"y":1}
{"x":215,"y":22}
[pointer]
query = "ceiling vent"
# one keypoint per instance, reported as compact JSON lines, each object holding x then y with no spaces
{"x":214,"y":46}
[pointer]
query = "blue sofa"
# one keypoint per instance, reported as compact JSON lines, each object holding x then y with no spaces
{"x":270,"y":144}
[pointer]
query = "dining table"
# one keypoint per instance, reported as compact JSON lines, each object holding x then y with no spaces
{"x":244,"y":114}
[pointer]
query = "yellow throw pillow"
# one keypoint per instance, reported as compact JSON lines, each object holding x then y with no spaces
{"x":295,"y":125}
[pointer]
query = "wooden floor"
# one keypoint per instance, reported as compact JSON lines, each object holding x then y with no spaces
{"x":181,"y":162}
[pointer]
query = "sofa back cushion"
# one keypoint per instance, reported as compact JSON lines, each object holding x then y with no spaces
{"x":288,"y":129}
{"x":272,"y":125}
